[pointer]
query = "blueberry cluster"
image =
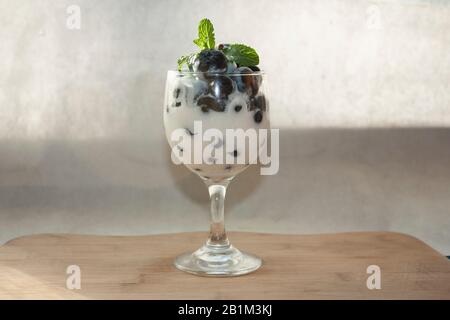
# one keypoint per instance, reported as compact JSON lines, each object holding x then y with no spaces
{"x":220,"y":78}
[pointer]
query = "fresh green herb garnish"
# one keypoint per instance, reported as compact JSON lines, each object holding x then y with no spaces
{"x":181,"y":61}
{"x":241,"y":54}
{"x":206,"y":38}
{"x":188,"y":60}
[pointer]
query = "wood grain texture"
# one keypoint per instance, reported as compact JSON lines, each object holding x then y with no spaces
{"x":326,"y":266}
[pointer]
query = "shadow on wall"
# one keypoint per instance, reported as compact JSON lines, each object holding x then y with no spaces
{"x":329,"y":180}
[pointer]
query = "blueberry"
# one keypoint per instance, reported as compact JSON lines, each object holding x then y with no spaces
{"x":240,"y":79}
{"x":253,"y":105}
{"x":177,"y":104}
{"x":211,"y":60}
{"x":258,"y":116}
{"x":258,"y":102}
{"x":238,"y":108}
{"x":231,"y":67}
{"x":209,"y":103}
{"x":221,"y":86}
{"x":247,"y":82}
{"x":261,"y":102}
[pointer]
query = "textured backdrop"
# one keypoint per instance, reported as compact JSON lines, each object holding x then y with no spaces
{"x":359,"y":89}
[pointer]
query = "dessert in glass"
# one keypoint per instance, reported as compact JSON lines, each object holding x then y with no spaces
{"x":213,"y":95}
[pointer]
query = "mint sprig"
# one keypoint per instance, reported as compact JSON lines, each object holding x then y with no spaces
{"x":186,"y":60}
{"x":241,"y":54}
{"x":206,"y":38}
{"x":182,"y":61}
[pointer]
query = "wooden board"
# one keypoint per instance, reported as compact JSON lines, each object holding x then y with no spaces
{"x":327,"y":266}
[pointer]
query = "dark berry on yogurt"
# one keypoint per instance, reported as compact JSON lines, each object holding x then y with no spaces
{"x":211,"y":60}
{"x":247,"y":81}
{"x":238,"y":108}
{"x":259,"y":103}
{"x":221,"y":86}
{"x":207,"y":103}
{"x":258,"y":116}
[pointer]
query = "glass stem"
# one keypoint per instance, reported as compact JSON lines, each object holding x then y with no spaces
{"x":217,"y":236}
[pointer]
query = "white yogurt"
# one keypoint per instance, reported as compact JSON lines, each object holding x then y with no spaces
{"x":181,"y":110}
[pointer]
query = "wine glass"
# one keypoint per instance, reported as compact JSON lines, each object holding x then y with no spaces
{"x":198,"y":103}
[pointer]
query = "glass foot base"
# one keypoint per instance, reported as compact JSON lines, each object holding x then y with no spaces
{"x":217,"y":261}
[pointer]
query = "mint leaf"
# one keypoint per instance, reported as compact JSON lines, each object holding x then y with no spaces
{"x":200,"y":43}
{"x":188,"y":60}
{"x":206,"y":38}
{"x":206,"y":32}
{"x":182,"y":61}
{"x":241,"y":54}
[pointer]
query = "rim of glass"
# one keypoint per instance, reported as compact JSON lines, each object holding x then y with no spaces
{"x":197,"y":73}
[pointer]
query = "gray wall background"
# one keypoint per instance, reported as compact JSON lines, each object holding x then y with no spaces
{"x":359,"y":89}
